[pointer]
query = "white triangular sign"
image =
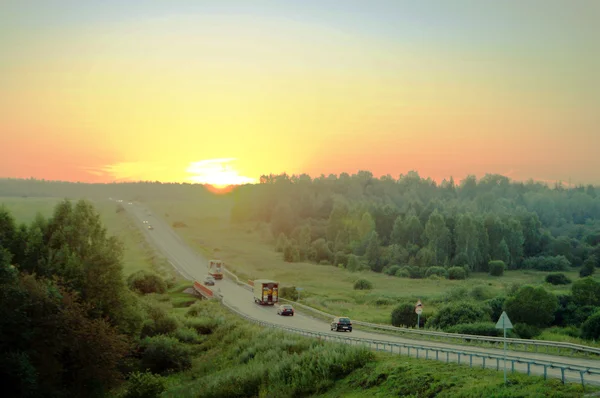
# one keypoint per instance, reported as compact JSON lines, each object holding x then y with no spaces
{"x":504,"y":322}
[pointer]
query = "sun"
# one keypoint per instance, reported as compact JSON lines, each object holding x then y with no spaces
{"x":217,"y":174}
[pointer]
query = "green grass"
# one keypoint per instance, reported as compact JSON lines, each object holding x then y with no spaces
{"x":138,"y":254}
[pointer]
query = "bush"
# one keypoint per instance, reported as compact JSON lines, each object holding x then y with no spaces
{"x":589,"y":266}
{"x":288,"y":293}
{"x":481,"y":293}
{"x":353,"y":263}
{"x":415,"y":272}
{"x":363,"y":284}
{"x":458,"y":312}
{"x":439,"y":271}
{"x":291,"y":254}
{"x":547,"y":263}
{"x":392,"y":270}
{"x":203,"y":325}
{"x":496,"y":267}
{"x":525,"y":331}
{"x":146,"y":282}
{"x":495,"y":307}
{"x":158,"y":322}
{"x":161,"y":354}
{"x":457,"y":273}
{"x":402,"y":273}
{"x":340,"y":258}
{"x":186,"y":335}
{"x":477,"y":328}
{"x":404,"y":315}
{"x":586,"y":291}
{"x":534,"y":306}
{"x":591,"y":327}
{"x":144,"y":385}
{"x":557,"y":279}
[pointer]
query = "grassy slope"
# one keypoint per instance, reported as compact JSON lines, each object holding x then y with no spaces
{"x":248,"y":251}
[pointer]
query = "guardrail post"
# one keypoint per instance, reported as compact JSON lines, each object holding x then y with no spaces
{"x":408,"y":350}
{"x":437,"y":355}
{"x":545,"y":372}
{"x":426,"y":353}
{"x":458,"y":358}
{"x":528,"y":369}
{"x":447,"y":357}
{"x":562,"y":375}
{"x":497,"y":364}
{"x":581,"y":375}
{"x":512,"y":366}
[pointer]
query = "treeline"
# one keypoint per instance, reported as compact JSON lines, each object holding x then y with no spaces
{"x":69,"y":324}
{"x":359,"y":221}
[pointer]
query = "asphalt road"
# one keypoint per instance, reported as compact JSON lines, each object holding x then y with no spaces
{"x":192,"y":266}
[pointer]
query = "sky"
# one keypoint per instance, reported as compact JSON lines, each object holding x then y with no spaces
{"x":224,"y":91}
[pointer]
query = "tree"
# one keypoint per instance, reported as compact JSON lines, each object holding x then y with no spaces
{"x":497,"y":268}
{"x":586,"y":291}
{"x":373,"y":254}
{"x":589,"y":266}
{"x":532,"y":306}
{"x":467,"y":239}
{"x":404,"y":315}
{"x":438,"y":237}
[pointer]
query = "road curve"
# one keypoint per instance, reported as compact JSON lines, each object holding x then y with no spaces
{"x":192,"y":266}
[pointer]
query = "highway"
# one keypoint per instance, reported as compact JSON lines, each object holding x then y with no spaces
{"x":192,"y":266}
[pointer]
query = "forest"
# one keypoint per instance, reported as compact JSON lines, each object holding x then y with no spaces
{"x":407,"y":225}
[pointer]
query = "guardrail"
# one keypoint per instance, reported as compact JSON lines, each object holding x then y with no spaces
{"x":547,"y":369}
{"x":512,"y":343}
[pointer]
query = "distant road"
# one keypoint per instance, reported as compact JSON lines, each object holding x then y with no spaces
{"x":193,"y":266}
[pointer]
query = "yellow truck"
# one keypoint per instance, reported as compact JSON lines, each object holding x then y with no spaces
{"x":215,"y":269}
{"x":266,"y":292}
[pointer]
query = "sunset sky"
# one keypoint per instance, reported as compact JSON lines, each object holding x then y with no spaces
{"x":224,"y":91}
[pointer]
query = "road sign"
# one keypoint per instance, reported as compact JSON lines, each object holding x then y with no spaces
{"x":504,"y":322}
{"x":299,"y":289}
{"x":419,"y":310}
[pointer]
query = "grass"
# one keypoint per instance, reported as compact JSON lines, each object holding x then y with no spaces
{"x":236,"y":359}
{"x":138,"y":254}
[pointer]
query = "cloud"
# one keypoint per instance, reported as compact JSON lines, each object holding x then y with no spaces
{"x":216,"y":172}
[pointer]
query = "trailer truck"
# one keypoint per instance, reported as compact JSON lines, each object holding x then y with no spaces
{"x":215,"y":269}
{"x":266,"y":292}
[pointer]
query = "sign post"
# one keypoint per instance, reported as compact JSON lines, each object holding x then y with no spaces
{"x":504,"y":323}
{"x":418,"y":311}
{"x":298,"y":289}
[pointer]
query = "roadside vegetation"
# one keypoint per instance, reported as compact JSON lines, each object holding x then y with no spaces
{"x":141,"y":336}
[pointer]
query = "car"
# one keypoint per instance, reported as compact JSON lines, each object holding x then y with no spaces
{"x":150,"y":227}
{"x":130,"y":203}
{"x":145,"y":221}
{"x":209,"y":280}
{"x":341,"y":323}
{"x":285,"y":309}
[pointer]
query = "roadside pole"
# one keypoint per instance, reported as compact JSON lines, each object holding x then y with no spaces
{"x":298,"y":289}
{"x":418,"y":311}
{"x":504,"y":323}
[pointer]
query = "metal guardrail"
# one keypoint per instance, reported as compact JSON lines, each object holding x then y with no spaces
{"x":467,"y":338}
{"x":547,"y":369}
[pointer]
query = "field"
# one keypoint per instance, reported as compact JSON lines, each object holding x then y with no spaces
{"x":138,"y":254}
{"x":248,"y":251}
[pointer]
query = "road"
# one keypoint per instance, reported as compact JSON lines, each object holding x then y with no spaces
{"x":192,"y":266}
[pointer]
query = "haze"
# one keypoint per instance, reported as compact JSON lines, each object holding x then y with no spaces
{"x":224,"y":91}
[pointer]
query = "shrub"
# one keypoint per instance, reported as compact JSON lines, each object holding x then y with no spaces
{"x":458,"y":312}
{"x":557,"y":279}
{"x":586,"y":291}
{"x":291,"y":254}
{"x":288,"y":293}
{"x":203,"y":325}
{"x":158,"y":322}
{"x":415,"y":272}
{"x":144,"y":385}
{"x":534,"y":306}
{"x":353,"y":263}
{"x":547,"y":263}
{"x":525,"y":331}
{"x":495,"y":307}
{"x":404,"y":315}
{"x":496,"y":267}
{"x":589,"y":266}
{"x":363,"y":284}
{"x":161,"y":354}
{"x":457,"y":273}
{"x":281,"y":242}
{"x":146,"y":282}
{"x":481,"y":293}
{"x":439,"y":271}
{"x":392,"y":270}
{"x":591,"y":327}
{"x":186,"y":335}
{"x":179,"y":224}
{"x":402,"y":273}
{"x":340,"y":258}
{"x":477,"y":328}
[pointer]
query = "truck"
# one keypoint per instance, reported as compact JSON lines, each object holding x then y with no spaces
{"x":215,"y":269}
{"x":266,"y":292}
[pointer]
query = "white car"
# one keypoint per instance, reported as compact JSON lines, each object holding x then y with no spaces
{"x":209,"y":280}
{"x":145,"y":221}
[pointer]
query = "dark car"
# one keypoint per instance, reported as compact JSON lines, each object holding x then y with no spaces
{"x":209,"y":280}
{"x":285,"y":309}
{"x":341,"y":323}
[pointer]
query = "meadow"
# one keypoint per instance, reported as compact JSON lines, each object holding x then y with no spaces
{"x":247,"y":250}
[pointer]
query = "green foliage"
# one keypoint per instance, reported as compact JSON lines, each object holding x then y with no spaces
{"x":158,"y":320}
{"x":161,"y":354}
{"x":404,"y":315}
{"x":526,"y":331}
{"x":288,"y":292}
{"x":363,"y":284}
{"x":144,"y":385}
{"x":439,"y":271}
{"x":146,"y":282}
{"x":534,"y":306}
{"x":547,"y":263}
{"x":586,"y":291}
{"x":477,"y":328}
{"x":186,"y":335}
{"x":496,"y":267}
{"x":291,"y":254}
{"x":591,"y":327}
{"x":457,"y":273}
{"x":353,"y":263}
{"x":392,"y":270}
{"x":402,"y":273}
{"x":557,"y":279}
{"x":481,"y":293}
{"x":282,"y":242}
{"x":456,"y":313}
{"x":589,"y":267}
{"x":496,"y":305}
